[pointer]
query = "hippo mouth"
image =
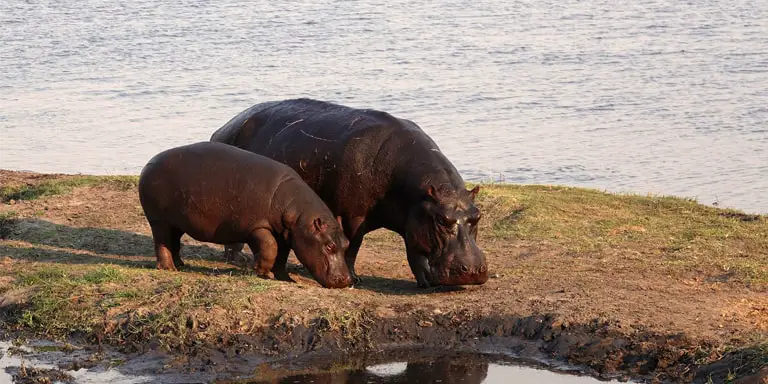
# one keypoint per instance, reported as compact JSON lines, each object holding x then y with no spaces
{"x":329,"y":278}
{"x":461,"y":274}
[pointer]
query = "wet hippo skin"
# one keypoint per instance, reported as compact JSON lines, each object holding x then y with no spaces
{"x":221,"y":194}
{"x":373,"y":170}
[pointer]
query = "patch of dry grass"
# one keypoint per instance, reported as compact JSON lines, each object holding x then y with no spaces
{"x":61,"y":185}
{"x":119,"y":302}
{"x":669,"y":234}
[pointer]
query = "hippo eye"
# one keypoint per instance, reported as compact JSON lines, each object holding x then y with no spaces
{"x":473,"y":220}
{"x":330,"y":247}
{"x":445,"y":221}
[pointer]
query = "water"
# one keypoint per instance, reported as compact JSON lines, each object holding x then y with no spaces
{"x":446,"y":368}
{"x":441,"y":371}
{"x":657,"y":96}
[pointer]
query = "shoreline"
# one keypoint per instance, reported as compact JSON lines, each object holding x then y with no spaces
{"x":649,"y":288}
{"x":492,"y":180}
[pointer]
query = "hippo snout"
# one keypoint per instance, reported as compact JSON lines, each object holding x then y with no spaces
{"x":462,"y":274}
{"x":340,"y":281}
{"x":466,"y":275}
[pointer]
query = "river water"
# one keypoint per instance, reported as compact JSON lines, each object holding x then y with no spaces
{"x":657,"y":96}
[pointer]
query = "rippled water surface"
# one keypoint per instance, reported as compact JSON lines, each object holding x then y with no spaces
{"x":657,"y":96}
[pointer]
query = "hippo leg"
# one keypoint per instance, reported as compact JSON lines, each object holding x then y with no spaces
{"x":174,"y":238}
{"x":419,"y":266}
{"x":232,"y":251}
{"x":281,"y":273}
{"x":161,"y":234}
{"x":354,"y":231}
{"x":264,"y":248}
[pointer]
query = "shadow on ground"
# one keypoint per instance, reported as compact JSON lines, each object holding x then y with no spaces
{"x":94,"y":246}
{"x":136,"y":250}
{"x":98,"y":240}
{"x":384,"y":285}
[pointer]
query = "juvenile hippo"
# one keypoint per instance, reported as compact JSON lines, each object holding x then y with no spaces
{"x":221,"y":194}
{"x":374,"y":171}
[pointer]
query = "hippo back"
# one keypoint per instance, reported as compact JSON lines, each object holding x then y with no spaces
{"x":353,"y":158}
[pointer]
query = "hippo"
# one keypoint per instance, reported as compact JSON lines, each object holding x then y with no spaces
{"x":373,"y":170}
{"x":221,"y":194}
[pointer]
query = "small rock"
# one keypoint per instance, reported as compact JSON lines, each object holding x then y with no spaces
{"x":425,"y":323}
{"x":437,"y":311}
{"x":495,"y":276}
{"x":12,"y":202}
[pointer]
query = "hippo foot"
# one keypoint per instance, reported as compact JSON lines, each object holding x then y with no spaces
{"x":283,"y":276}
{"x":268,"y":275}
{"x":166,"y":267}
{"x":354,"y":276}
{"x":231,"y":256}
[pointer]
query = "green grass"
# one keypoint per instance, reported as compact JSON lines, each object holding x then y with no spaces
{"x":677,"y":233}
{"x":57,"y":273}
{"x":104,"y":274}
{"x":61,"y":300}
{"x":63,"y":185}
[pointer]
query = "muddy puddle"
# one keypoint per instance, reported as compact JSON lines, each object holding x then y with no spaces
{"x":443,"y":369}
{"x":41,"y":361}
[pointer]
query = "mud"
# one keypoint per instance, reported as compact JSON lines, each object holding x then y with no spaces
{"x":292,"y":344}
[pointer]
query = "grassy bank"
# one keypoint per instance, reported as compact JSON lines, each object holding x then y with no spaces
{"x":683,"y":285}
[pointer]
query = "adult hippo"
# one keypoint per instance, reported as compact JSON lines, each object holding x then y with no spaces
{"x":373,"y":170}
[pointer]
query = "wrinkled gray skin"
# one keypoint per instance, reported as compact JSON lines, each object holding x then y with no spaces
{"x":374,"y":171}
{"x":221,"y":194}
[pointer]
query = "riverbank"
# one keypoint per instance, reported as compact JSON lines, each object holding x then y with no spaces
{"x":656,"y":288}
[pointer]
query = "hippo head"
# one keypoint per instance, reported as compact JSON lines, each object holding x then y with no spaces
{"x":320,"y":244}
{"x":440,"y":238}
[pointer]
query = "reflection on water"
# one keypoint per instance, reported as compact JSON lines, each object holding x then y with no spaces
{"x":418,"y":366}
{"x":465,"y":369}
{"x":654,"y":96}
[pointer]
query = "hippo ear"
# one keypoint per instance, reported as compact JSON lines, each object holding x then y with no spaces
{"x":319,"y":225}
{"x":432,"y":193}
{"x":474,"y":192}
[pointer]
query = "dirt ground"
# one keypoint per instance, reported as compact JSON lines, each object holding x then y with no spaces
{"x":612,"y":310}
